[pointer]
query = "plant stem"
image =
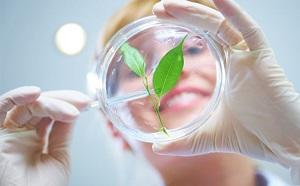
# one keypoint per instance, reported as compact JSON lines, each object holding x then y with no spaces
{"x":156,"y":104}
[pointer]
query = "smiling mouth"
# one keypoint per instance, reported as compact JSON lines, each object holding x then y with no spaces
{"x":184,"y":98}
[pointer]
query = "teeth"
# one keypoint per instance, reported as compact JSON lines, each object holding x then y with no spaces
{"x":181,"y":98}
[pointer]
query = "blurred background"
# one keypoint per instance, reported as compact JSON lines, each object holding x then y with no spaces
{"x":29,"y":56}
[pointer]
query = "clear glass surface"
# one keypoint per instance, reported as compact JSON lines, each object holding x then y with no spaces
{"x":122,"y":95}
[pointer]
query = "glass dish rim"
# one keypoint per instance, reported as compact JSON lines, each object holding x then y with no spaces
{"x":122,"y":36}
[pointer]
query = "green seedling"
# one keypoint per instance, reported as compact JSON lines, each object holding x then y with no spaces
{"x":165,"y":76}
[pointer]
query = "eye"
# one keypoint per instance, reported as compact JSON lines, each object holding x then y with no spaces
{"x":193,"y":51}
{"x":131,"y":75}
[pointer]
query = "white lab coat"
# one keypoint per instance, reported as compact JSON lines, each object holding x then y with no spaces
{"x":134,"y":170}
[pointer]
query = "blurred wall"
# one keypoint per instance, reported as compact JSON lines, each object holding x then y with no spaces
{"x":27,"y":41}
{"x":28,"y":56}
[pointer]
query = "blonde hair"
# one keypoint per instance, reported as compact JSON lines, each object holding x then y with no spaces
{"x":133,"y":10}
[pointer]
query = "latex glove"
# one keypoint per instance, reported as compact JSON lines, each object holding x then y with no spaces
{"x":259,"y":115}
{"x":27,"y":158}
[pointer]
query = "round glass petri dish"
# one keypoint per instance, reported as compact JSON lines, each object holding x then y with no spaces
{"x":123,"y":96}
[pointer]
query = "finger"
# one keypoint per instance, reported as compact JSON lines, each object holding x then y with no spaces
{"x":159,"y":11}
{"x":228,"y":34}
{"x":178,"y":148}
{"x":19,"y":96}
{"x":53,"y":108}
{"x":54,"y":135}
{"x":194,"y":13}
{"x":79,"y":100}
{"x":17,"y":117}
{"x":31,"y":124}
{"x":202,"y":16}
{"x":43,"y":108}
{"x":60,"y":134}
{"x":251,"y":32}
{"x":20,"y":116}
{"x":197,"y":143}
{"x":43,"y":129}
{"x":59,"y":141}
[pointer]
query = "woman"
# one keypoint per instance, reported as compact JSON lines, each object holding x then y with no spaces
{"x":195,"y":76}
{"x":22,"y":160}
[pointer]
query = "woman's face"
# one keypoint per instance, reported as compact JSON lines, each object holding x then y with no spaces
{"x":186,"y":100}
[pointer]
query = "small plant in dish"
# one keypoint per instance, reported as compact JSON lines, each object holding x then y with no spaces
{"x":165,"y":76}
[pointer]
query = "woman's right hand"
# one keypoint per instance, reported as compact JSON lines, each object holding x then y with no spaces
{"x":259,"y":115}
{"x":28,"y":156}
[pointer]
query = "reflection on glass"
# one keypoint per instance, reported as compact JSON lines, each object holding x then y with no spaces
{"x":179,"y":107}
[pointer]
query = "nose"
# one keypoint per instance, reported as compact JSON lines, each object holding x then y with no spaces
{"x":205,"y":69}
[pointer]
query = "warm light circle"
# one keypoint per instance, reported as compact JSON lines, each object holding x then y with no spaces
{"x":70,"y":38}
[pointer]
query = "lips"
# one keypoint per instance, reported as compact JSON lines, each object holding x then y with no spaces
{"x":183,"y":98}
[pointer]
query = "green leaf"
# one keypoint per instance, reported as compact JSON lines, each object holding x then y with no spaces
{"x":168,"y":70}
{"x":134,"y":59}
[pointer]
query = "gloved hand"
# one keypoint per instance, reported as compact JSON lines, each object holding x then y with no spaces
{"x":259,"y":115}
{"x":27,"y":156}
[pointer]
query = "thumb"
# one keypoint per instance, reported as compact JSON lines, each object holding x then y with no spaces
{"x":215,"y":135}
{"x":181,"y":147}
{"x":199,"y":142}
